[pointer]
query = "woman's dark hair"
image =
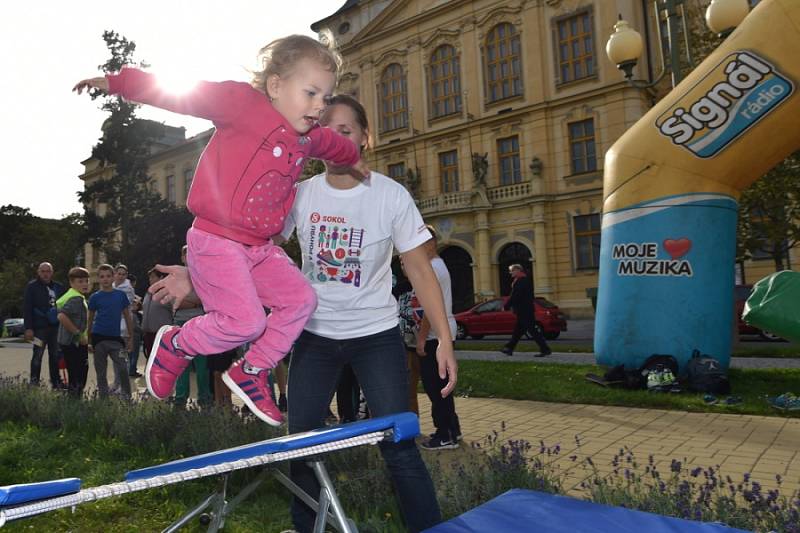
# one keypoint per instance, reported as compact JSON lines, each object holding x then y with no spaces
{"x":358,"y":111}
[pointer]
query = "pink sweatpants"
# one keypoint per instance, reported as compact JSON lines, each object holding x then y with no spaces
{"x":235,"y":282}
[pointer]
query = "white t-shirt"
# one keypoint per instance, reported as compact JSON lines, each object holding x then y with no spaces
{"x":443,"y":276}
{"x":346,"y":239}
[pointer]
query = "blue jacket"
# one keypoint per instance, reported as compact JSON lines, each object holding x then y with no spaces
{"x":38,"y":303}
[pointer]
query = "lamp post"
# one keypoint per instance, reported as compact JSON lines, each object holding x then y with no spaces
{"x":625,"y":45}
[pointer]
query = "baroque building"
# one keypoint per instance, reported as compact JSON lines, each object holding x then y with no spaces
{"x":495,"y":115}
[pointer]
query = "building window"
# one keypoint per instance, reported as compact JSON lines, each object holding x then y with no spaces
{"x":503,"y":62}
{"x":445,"y":83}
{"x":171,"y":189}
{"x":508,"y":156}
{"x":587,"y":241}
{"x":393,"y":98}
{"x":397,"y":172}
{"x":448,"y":170}
{"x":188,"y":175}
{"x":581,"y":146}
{"x":575,"y":44}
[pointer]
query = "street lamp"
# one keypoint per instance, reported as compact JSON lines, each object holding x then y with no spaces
{"x":625,"y":45}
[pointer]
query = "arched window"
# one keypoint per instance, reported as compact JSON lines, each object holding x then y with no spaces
{"x":393,"y":98}
{"x":513,"y":253}
{"x":503,"y":60}
{"x":445,"y":82}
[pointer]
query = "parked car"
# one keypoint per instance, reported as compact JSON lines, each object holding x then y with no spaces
{"x":740,"y":295}
{"x":489,"y":318}
{"x":14,"y":326}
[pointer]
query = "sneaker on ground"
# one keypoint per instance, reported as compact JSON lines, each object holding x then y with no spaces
{"x":785,"y":402}
{"x":507,"y":351}
{"x":458,"y":438}
{"x":437,"y":442}
{"x":166,"y":363}
{"x":251,"y":385}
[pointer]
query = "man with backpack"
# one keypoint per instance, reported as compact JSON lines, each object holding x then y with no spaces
{"x":41,"y":322}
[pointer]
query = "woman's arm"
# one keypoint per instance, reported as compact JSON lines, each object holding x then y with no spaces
{"x":426,"y":286}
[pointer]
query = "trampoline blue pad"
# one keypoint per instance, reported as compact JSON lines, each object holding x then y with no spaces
{"x":520,"y":511}
{"x":28,"y":492}
{"x":405,"y":426}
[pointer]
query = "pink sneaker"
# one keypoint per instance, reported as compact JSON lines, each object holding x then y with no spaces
{"x":166,"y":363}
{"x":254,"y":392}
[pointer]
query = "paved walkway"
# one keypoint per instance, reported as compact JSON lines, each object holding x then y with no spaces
{"x":759,"y":445}
{"x":762,"y":446}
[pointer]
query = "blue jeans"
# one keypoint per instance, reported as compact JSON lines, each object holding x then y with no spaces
{"x":379,"y":362}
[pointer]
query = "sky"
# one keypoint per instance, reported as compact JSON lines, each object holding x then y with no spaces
{"x":50,"y":45}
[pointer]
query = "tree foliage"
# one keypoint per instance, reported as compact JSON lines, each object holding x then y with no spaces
{"x":29,"y":240}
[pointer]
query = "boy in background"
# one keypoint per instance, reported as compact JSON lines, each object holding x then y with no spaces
{"x":106,"y":309}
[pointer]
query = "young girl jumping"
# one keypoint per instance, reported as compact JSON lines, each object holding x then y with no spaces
{"x":242,"y":191}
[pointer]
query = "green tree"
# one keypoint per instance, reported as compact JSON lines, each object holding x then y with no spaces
{"x":29,"y":240}
{"x":769,"y":213}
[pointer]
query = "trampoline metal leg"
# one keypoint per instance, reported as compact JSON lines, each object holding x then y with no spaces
{"x":182,"y":521}
{"x":328,"y":492}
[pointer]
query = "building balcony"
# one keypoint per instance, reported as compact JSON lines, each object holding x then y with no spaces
{"x":508,"y":193}
{"x":452,"y":201}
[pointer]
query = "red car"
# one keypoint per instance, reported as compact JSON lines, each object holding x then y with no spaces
{"x":740,"y":295}
{"x":489,"y":318}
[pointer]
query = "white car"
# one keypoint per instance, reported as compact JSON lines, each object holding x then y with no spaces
{"x":14,"y":327}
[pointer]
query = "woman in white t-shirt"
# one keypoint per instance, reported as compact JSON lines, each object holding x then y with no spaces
{"x":347,"y":228}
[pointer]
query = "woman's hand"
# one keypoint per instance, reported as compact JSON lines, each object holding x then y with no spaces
{"x":100,"y":83}
{"x":175,"y":288}
{"x":361,"y":169}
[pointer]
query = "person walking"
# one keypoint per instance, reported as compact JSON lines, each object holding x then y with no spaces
{"x":41,"y":323}
{"x":522,"y":303}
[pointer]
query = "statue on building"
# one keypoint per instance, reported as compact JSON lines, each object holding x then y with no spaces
{"x":480,"y":166}
{"x":414,"y":182}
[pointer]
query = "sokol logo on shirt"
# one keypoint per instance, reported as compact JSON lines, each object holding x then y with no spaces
{"x":314,"y":218}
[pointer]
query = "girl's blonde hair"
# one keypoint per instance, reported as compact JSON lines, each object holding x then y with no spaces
{"x":281,"y":55}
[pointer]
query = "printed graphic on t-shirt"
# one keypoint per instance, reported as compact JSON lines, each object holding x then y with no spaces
{"x":335,"y":247}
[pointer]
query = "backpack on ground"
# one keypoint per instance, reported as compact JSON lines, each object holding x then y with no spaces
{"x":659,"y":373}
{"x":706,"y":374}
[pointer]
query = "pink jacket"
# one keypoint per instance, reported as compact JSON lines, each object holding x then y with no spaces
{"x":244,"y":184}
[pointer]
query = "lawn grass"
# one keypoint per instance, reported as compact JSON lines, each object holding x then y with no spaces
{"x":565,"y":383}
{"x":764,"y":349}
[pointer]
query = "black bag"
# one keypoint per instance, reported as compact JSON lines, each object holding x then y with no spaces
{"x":705,"y":374}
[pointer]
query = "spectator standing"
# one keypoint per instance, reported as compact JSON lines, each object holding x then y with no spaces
{"x":185,"y":312}
{"x":41,"y":322}
{"x":122,"y":283}
{"x":107,"y":308}
{"x":443,"y":408}
{"x":154,"y":314}
{"x":73,"y":316}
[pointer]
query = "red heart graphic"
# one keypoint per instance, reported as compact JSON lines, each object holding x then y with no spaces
{"x":677,"y":247}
